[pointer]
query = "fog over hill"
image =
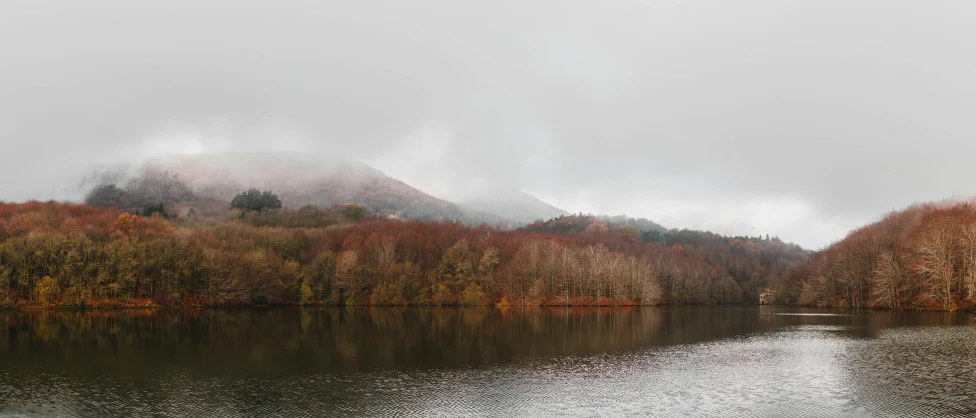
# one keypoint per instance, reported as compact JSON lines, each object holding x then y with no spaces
{"x":796,"y":119}
{"x":209,"y":181}
{"x":515,"y":205}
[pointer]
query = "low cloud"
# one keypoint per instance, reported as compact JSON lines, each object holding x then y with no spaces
{"x":796,"y":120}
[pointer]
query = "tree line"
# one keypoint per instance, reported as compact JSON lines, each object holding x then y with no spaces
{"x":922,"y":257}
{"x":753,"y":263}
{"x":61,"y":254}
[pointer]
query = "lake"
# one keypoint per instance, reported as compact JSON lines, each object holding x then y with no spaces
{"x":657,"y":361}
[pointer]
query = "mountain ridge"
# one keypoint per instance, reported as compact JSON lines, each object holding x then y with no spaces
{"x":207,"y":182}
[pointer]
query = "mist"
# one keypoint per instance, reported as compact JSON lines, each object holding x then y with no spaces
{"x":759,"y":117}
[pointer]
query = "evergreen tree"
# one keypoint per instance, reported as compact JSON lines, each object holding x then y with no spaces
{"x":255,"y":200}
{"x":157,"y":209}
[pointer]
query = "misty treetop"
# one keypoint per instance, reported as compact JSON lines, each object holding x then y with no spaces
{"x":154,"y":210}
{"x":255,"y":200}
{"x":208,"y":185}
{"x":150,"y":188}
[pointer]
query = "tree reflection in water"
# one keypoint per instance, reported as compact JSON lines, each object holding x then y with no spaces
{"x":261,"y":361}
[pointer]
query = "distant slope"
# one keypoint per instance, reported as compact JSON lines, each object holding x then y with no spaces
{"x":755,"y":263}
{"x":642,"y":225}
{"x":515,"y":205}
{"x":212,"y":180}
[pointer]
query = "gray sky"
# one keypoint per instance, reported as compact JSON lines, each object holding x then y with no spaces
{"x":797,"y":119}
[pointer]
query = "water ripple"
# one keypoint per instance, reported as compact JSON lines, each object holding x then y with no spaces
{"x":792,"y":369}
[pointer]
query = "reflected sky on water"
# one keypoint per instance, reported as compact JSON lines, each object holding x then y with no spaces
{"x":690,"y":360}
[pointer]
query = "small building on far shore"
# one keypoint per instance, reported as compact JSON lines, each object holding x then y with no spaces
{"x":767,"y":298}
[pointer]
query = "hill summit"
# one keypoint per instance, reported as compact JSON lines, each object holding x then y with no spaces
{"x":208,"y":182}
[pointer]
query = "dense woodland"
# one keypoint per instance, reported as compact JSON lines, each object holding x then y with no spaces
{"x":60,"y":254}
{"x":920,"y":257}
{"x":754,"y":263}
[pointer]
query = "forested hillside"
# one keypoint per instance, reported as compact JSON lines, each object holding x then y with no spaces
{"x":77,"y":255}
{"x":151,"y":188}
{"x":208,"y":182}
{"x":920,"y":257}
{"x":754,"y":263}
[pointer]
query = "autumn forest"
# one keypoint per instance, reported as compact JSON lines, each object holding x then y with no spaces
{"x":73,"y":255}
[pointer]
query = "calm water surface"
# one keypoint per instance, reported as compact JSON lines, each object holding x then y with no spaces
{"x":661,"y":361}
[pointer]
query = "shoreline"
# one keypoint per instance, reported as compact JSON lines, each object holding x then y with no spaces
{"x":14,"y":308}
